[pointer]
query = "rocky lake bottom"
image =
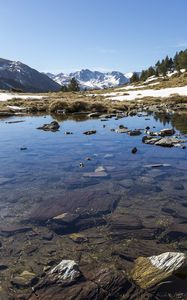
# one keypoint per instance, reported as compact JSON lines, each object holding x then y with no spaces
{"x":90,"y":199}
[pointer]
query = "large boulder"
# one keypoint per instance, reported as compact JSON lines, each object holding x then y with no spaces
{"x":154,"y":270}
{"x":66,"y":271}
{"x":167,"y":132}
{"x":163,"y":141}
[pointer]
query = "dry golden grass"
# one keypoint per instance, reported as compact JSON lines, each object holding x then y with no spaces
{"x":85,"y":102}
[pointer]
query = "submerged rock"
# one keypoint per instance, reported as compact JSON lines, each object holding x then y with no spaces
{"x":94,"y":284}
{"x":53,"y":126}
{"x":157,"y":165}
{"x":25,"y":279}
{"x":3,"y":293}
{"x":11,"y":230}
{"x":95,"y":174}
{"x":89,"y":132}
{"x":134,"y":150}
{"x":23,"y":148}
{"x":78,"y":238}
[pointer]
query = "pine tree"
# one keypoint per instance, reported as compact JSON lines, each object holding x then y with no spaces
{"x":64,"y":88}
{"x":134,"y":78}
{"x":176,"y":61}
{"x":73,"y":86}
{"x":182,"y":59}
{"x":150,"y":72}
{"x":143,"y":75}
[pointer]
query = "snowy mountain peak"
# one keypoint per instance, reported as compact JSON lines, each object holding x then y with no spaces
{"x":92,"y":79}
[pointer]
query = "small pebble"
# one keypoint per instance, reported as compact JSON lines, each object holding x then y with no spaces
{"x":23,"y":148}
{"x":134,"y":150}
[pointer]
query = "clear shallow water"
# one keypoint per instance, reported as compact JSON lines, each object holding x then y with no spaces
{"x":50,"y":165}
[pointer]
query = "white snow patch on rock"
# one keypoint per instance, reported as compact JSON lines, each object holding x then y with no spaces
{"x":169,"y":261}
{"x":66,"y":270}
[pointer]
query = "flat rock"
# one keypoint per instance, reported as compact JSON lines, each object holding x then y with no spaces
{"x":163,"y":141}
{"x":70,"y":213}
{"x":11,"y":230}
{"x":120,"y":224}
{"x":25,"y":279}
{"x":157,"y":165}
{"x":89,"y":132}
{"x":78,"y":238}
{"x":95,"y":284}
{"x":96,"y":174}
{"x":168,"y":142}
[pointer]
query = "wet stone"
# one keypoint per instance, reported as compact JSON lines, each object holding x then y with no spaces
{"x":25,"y":279}
{"x":53,"y":126}
{"x":90,"y":132}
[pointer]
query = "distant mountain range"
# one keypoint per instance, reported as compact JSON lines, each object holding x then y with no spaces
{"x":16,"y":75}
{"x":92,"y":79}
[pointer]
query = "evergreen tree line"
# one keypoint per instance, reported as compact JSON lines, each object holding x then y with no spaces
{"x":73,"y":86}
{"x":178,"y":62}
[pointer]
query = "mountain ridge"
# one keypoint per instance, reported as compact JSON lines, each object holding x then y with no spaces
{"x":92,"y":79}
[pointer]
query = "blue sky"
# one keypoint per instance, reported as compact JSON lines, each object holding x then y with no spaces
{"x":68,"y":35}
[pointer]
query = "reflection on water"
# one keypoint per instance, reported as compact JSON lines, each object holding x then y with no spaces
{"x":51,"y":163}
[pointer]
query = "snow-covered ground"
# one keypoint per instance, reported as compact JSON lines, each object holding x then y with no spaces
{"x":9,"y":96}
{"x":139,"y":94}
{"x":133,"y":87}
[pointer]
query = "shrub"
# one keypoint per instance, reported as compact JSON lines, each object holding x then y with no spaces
{"x":58,"y":104}
{"x":98,"y":107}
{"x":78,"y":106}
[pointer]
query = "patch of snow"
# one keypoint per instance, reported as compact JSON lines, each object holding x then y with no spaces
{"x":14,"y":107}
{"x":172,"y":73}
{"x":133,"y":87}
{"x":10,"y":96}
{"x":152,"y":78}
{"x":139,"y":94}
